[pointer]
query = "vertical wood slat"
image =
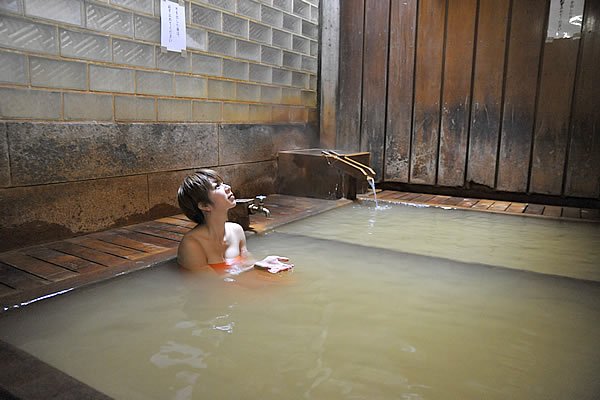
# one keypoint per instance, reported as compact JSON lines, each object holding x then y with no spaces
{"x":456,"y":99}
{"x":583,"y":170}
{"x":552,"y":116}
{"x":329,"y":55}
{"x":375,"y":81}
{"x":487,"y":91}
{"x":428,"y":82}
{"x":524,"y":49}
{"x":400,"y":89}
{"x":350,"y":76}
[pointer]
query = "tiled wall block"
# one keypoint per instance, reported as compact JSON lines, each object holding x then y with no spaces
{"x":271,"y":55}
{"x":30,"y":104}
{"x":109,"y":19}
{"x":15,"y":6}
{"x":79,"y":45}
{"x":247,"y":50}
{"x":207,"y":111}
{"x":259,"y":113}
{"x":218,"y":89}
{"x":235,"y":69}
{"x":132,"y":53}
{"x":146,"y":28}
{"x":285,"y":5}
{"x":13,"y":68}
{"x":206,"y":17}
{"x":187,"y":86}
{"x":207,"y":65}
{"x":248,"y":8}
{"x":270,"y":94}
{"x":196,"y":39}
{"x":174,"y":110}
{"x":106,"y":79}
{"x":228,"y":5}
{"x":143,"y":6}
{"x":221,"y":44}
{"x":235,"y":26}
{"x":236,"y":112}
{"x":157,"y":83}
{"x":259,"y":33}
{"x":58,"y":74}
{"x":129,"y":108}
{"x":292,"y":23}
{"x":68,"y":11}
{"x":271,"y":16}
{"x":260,"y":73}
{"x":16,"y":33}
{"x":88,"y":107}
{"x":281,"y":39}
{"x":247,"y":92}
{"x":170,"y":61}
{"x":87,"y":56}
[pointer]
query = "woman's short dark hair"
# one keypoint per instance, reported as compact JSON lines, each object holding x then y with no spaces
{"x":194,"y":190}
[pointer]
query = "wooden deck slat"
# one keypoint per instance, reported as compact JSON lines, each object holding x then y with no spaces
{"x":400,"y":195}
{"x":109,"y":248}
{"x":6,"y":290}
{"x":571,"y":212}
{"x":36,"y":267}
{"x":483,"y":204}
{"x":166,"y":227}
{"x":160,"y":242}
{"x":18,"y":279}
{"x":108,"y":260}
{"x":535,"y":209}
{"x":125,"y":240}
{"x":424,"y":198}
{"x":591,"y":214}
{"x":552,"y":211}
{"x":385,"y":194}
{"x":516,"y":208}
{"x":439,"y":199}
{"x":453,"y":201}
{"x":466,"y":203}
{"x":175,"y":237}
{"x":499,"y":206}
{"x":67,"y":261}
{"x":411,"y":196}
{"x":178,"y":222}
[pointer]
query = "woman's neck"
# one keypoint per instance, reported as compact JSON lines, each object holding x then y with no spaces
{"x":215,"y":223}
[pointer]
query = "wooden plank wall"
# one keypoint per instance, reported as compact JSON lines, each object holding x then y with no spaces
{"x":468,"y":94}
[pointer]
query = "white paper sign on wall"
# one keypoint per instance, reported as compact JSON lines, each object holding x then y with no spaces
{"x":172,"y":26}
{"x":566,"y":18}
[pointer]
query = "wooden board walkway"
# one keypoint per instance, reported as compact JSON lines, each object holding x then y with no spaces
{"x":36,"y":272}
{"x":495,"y":206}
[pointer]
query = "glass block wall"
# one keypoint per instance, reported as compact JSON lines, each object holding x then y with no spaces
{"x":75,"y":60}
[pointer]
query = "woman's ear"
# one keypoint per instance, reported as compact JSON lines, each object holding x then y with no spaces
{"x":204,"y":207}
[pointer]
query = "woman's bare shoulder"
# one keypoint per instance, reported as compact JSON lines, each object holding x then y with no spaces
{"x":234,"y":227}
{"x":190,"y":252}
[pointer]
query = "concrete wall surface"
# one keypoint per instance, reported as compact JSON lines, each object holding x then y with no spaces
{"x":68,"y":179}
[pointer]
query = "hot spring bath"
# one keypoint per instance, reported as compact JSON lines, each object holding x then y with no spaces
{"x":396,"y":303}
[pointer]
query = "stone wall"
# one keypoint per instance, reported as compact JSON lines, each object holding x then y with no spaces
{"x":100,"y":124}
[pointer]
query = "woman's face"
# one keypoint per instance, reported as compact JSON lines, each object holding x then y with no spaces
{"x":221,"y":196}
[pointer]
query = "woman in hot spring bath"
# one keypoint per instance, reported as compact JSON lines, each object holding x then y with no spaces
{"x":215,"y":244}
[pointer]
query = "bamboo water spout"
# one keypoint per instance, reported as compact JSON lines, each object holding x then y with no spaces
{"x":355,"y":169}
{"x":349,"y":166}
